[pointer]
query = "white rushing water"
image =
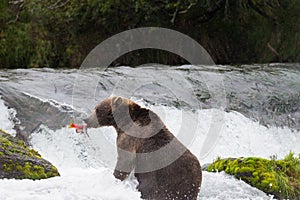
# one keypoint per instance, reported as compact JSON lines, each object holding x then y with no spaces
{"x":6,"y":116}
{"x":86,"y":163}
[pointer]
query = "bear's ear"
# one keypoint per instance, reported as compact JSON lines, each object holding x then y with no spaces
{"x":117,"y":101}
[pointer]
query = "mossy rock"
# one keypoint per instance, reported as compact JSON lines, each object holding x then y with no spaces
{"x":20,"y":162}
{"x":280,"y":178}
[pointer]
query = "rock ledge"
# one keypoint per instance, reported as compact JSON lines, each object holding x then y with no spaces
{"x":21,"y":162}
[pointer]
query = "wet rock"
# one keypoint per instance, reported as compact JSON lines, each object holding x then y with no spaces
{"x":280,"y":178}
{"x":21,"y":162}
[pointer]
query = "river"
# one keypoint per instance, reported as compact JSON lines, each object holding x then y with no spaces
{"x":227,"y":111}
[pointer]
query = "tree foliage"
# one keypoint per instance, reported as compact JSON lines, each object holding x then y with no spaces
{"x":60,"y":33}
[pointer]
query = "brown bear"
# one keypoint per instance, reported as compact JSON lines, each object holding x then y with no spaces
{"x":163,"y":166}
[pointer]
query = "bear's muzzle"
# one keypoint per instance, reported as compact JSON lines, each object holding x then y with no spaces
{"x":92,"y":121}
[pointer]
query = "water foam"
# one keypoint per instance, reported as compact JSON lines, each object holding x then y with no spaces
{"x":86,"y":162}
{"x":7,"y":115}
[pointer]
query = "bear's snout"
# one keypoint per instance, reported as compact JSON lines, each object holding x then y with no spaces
{"x":92,"y":121}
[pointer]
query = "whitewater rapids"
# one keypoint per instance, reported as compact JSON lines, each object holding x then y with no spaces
{"x":86,"y":163}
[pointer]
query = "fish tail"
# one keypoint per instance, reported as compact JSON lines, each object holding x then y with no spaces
{"x":71,"y":125}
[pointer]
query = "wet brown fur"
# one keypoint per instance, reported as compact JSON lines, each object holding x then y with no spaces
{"x":179,"y":180}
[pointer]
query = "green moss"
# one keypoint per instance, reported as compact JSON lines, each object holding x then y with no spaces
{"x":5,"y":142}
{"x":30,"y":171}
{"x":17,"y":146}
{"x":22,"y":162}
{"x":280,"y":178}
{"x":6,"y":167}
{"x":2,"y":131}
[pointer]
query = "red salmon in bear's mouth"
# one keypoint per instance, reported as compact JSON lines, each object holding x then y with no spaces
{"x":79,"y":128}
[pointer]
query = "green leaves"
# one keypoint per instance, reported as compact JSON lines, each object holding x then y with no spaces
{"x":35,"y":33}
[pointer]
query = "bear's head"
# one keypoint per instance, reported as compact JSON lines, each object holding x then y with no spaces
{"x":125,"y":115}
{"x":111,"y":111}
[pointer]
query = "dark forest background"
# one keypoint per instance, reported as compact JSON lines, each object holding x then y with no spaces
{"x":60,"y":33}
